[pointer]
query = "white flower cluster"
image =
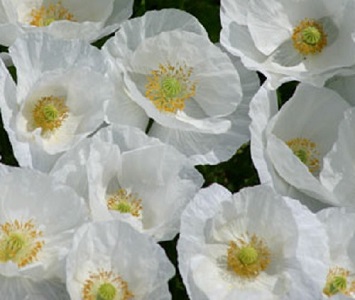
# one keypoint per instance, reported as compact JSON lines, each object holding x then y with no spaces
{"x":107,"y":141}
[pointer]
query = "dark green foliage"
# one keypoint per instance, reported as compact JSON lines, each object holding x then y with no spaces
{"x":176,"y":285}
{"x":206,"y":11}
{"x":285,"y":92}
{"x":234,"y":174}
{"x":6,"y":152}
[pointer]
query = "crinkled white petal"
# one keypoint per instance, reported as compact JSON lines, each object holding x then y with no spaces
{"x":73,"y":70}
{"x":151,"y":24}
{"x":339,"y":224}
{"x":117,"y":247}
{"x":126,"y":137}
{"x":120,"y":108}
{"x":36,"y":54}
{"x":156,"y":173}
{"x":179,"y":48}
{"x":315,"y":115}
{"x":338,"y":173}
{"x":90,"y":20}
{"x":29,"y":195}
{"x":193,"y":220}
{"x":27,"y":289}
{"x":268,"y":24}
{"x":344,"y":86}
{"x":214,"y":148}
{"x":206,"y":132}
{"x":206,"y":232}
{"x":6,"y":58}
{"x":262,"y":37}
{"x":262,"y":109}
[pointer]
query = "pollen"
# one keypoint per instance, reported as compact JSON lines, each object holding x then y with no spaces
{"x":309,"y":37}
{"x":105,"y":285}
{"x":20,"y":242}
{"x":125,"y":202}
{"x":307,"y":152}
{"x":44,"y":16}
{"x":170,"y":86}
{"x":338,"y":282}
{"x":248,"y":258}
{"x":49,"y":113}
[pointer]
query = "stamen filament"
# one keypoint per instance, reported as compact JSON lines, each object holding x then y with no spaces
{"x":44,"y":16}
{"x":20,"y":242}
{"x":49,"y":113}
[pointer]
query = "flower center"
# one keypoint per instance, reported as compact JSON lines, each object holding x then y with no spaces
{"x":105,"y":285}
{"x":49,"y":113}
{"x":106,"y":291}
{"x":248,"y":255}
{"x":44,"y":16}
{"x":309,"y":37}
{"x":248,"y":259}
{"x":124,"y":202}
{"x":20,"y":242}
{"x":307,"y":153}
{"x":169,"y":87}
{"x":338,"y":283}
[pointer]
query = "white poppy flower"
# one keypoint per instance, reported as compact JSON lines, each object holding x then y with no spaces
{"x":126,"y":175}
{"x":251,"y":245}
{"x":112,"y":261}
{"x":58,"y":100}
{"x":66,"y":19}
{"x":171,"y":73}
{"x":309,"y":41}
{"x":38,"y":218}
{"x":288,"y":146}
{"x":340,"y":224}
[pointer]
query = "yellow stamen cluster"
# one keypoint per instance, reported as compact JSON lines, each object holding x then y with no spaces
{"x":307,"y":152}
{"x":338,"y":282}
{"x":105,"y":285}
{"x":49,"y":113}
{"x":248,"y":259}
{"x":125,"y":202}
{"x":20,"y":242}
{"x":44,"y":16}
{"x":169,"y":87}
{"x":309,"y":37}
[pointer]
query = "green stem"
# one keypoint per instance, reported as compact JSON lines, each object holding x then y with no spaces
{"x":149,"y":125}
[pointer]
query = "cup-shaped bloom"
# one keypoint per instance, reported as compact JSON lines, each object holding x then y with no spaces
{"x":58,"y":99}
{"x":254,"y":244}
{"x":171,"y":73}
{"x":124,"y":174}
{"x":110,"y":260}
{"x":65,"y":19}
{"x":340,"y":227}
{"x":290,"y":40}
{"x":289,"y":147}
{"x":38,"y":218}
